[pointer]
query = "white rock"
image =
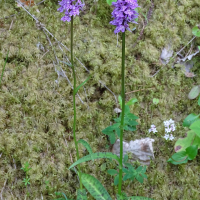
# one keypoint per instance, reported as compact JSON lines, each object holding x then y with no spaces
{"x":141,"y":150}
{"x":117,"y":110}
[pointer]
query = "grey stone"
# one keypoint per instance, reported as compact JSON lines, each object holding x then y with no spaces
{"x":141,"y":150}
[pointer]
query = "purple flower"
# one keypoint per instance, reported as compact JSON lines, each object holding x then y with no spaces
{"x":124,"y":13}
{"x":71,"y":9}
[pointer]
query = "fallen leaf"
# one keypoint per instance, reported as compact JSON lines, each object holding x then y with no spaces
{"x":25,"y":3}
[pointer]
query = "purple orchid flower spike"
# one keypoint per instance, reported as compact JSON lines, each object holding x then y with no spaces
{"x":71,"y":9}
{"x":124,"y":13}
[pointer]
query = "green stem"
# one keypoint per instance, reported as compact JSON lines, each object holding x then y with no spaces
{"x":123,"y":109}
{"x":74,"y":102}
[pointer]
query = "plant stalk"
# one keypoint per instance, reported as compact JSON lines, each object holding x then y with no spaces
{"x":74,"y":102}
{"x":123,"y":110}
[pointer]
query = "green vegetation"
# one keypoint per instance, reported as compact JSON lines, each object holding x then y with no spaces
{"x":36,"y":114}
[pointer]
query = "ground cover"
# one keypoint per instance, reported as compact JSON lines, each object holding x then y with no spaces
{"x":36,"y":114}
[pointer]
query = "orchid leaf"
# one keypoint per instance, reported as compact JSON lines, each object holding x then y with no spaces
{"x":96,"y":156}
{"x":76,"y":90}
{"x":94,"y":187}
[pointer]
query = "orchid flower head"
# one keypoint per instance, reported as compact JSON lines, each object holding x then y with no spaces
{"x":124,"y":13}
{"x":70,"y":8}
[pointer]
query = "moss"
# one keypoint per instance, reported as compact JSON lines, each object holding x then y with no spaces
{"x":36,"y":116}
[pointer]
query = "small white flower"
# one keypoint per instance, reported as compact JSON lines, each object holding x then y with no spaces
{"x":171,"y":121}
{"x":168,"y":130}
{"x":150,"y":130}
{"x":153,"y":128}
{"x":173,"y":127}
{"x":166,"y":123}
{"x":166,"y":136}
{"x":171,"y":137}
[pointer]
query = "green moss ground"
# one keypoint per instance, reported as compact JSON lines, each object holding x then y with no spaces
{"x":36,"y":116}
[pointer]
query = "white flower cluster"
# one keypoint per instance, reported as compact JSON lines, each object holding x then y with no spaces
{"x":169,"y":126}
{"x":153,"y":128}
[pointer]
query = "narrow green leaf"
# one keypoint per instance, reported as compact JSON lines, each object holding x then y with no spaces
{"x":64,"y":196}
{"x":128,"y":165}
{"x":125,"y":159}
{"x":133,"y":123}
{"x":112,"y":171}
{"x":133,"y":128}
{"x":126,"y":177}
{"x":66,"y":63}
{"x":126,"y":120}
{"x":144,"y":176}
{"x":96,"y":156}
{"x":139,"y":178}
{"x":86,"y":145}
{"x":132,"y":116}
{"x":117,"y":119}
{"x":120,"y":100}
{"x":126,"y":128}
{"x":94,"y":187}
{"x":125,"y":170}
{"x":116,"y":180}
{"x":127,"y":109}
{"x":140,"y":168}
{"x":111,"y":128}
{"x":199,"y":101}
{"x":131,"y":101}
{"x":76,"y":90}
{"x":81,"y":194}
{"x":112,"y":138}
{"x":118,"y":132}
